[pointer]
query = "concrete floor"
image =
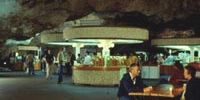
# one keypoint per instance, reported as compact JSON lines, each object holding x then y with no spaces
{"x":19,"y":86}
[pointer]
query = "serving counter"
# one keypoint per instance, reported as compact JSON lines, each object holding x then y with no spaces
{"x":97,"y":75}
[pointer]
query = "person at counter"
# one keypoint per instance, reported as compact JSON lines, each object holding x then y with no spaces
{"x":192,"y":91}
{"x":80,"y":59}
{"x":87,"y":59}
{"x":131,"y":82}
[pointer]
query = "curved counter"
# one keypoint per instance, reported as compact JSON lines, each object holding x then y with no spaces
{"x":97,"y":75}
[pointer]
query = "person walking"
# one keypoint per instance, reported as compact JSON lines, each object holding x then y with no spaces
{"x":71,"y":63}
{"x":49,"y":64}
{"x":30,"y":60}
{"x":62,"y":60}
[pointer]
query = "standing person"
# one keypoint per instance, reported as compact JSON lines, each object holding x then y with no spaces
{"x":61,"y":58}
{"x":67,"y":62}
{"x":43,"y":63}
{"x":192,"y":91}
{"x":87,"y":59}
{"x":131,"y":82}
{"x":49,"y":64}
{"x":24,"y":63}
{"x":30,"y":60}
{"x":72,"y":58}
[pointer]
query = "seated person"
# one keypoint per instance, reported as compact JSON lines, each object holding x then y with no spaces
{"x":131,"y":82}
{"x":190,"y":91}
{"x":192,"y":88}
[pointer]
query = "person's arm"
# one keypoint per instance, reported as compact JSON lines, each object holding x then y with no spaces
{"x":178,"y":91}
{"x":141,"y":86}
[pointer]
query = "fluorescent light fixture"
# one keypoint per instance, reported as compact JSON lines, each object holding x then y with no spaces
{"x":115,"y":41}
{"x":182,"y":47}
{"x":59,"y":43}
{"x":69,"y":43}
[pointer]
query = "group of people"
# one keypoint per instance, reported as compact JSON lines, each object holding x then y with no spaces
{"x":65,"y":61}
{"x":132,"y":82}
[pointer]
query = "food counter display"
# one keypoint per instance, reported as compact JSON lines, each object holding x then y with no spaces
{"x":97,"y":75}
{"x":150,"y":72}
{"x":167,"y":69}
{"x":37,"y":66}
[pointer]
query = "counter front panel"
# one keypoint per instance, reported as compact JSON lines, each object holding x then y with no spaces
{"x":97,"y":75}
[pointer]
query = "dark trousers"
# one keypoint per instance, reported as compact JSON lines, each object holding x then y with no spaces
{"x":43,"y":66}
{"x":31,"y":68}
{"x":60,"y":73}
{"x":69,"y":69}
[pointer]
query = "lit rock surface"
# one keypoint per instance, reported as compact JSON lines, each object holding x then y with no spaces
{"x":22,"y":19}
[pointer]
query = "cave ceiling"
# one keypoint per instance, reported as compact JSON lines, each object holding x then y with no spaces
{"x":29,"y":17}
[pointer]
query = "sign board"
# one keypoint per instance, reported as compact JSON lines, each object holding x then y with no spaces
{"x":34,"y":48}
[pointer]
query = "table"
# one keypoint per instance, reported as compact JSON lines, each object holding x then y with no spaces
{"x":160,"y":92}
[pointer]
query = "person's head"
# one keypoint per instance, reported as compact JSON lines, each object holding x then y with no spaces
{"x":48,"y":51}
{"x":134,"y":69}
{"x":189,"y":72}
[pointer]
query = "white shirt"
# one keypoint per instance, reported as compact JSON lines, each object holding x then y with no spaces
{"x":134,"y":79}
{"x":87,"y":60}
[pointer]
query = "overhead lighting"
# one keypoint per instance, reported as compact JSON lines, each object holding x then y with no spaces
{"x":115,"y":41}
{"x":183,"y":47}
{"x":68,"y":43}
{"x":59,"y":43}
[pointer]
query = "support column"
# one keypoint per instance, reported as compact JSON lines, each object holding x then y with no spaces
{"x":170,"y":52}
{"x":192,"y":55}
{"x":106,"y":44}
{"x":77,"y":47}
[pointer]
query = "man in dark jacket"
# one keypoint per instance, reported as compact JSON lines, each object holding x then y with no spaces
{"x":49,"y":62}
{"x":193,"y":84}
{"x":131,"y":82}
